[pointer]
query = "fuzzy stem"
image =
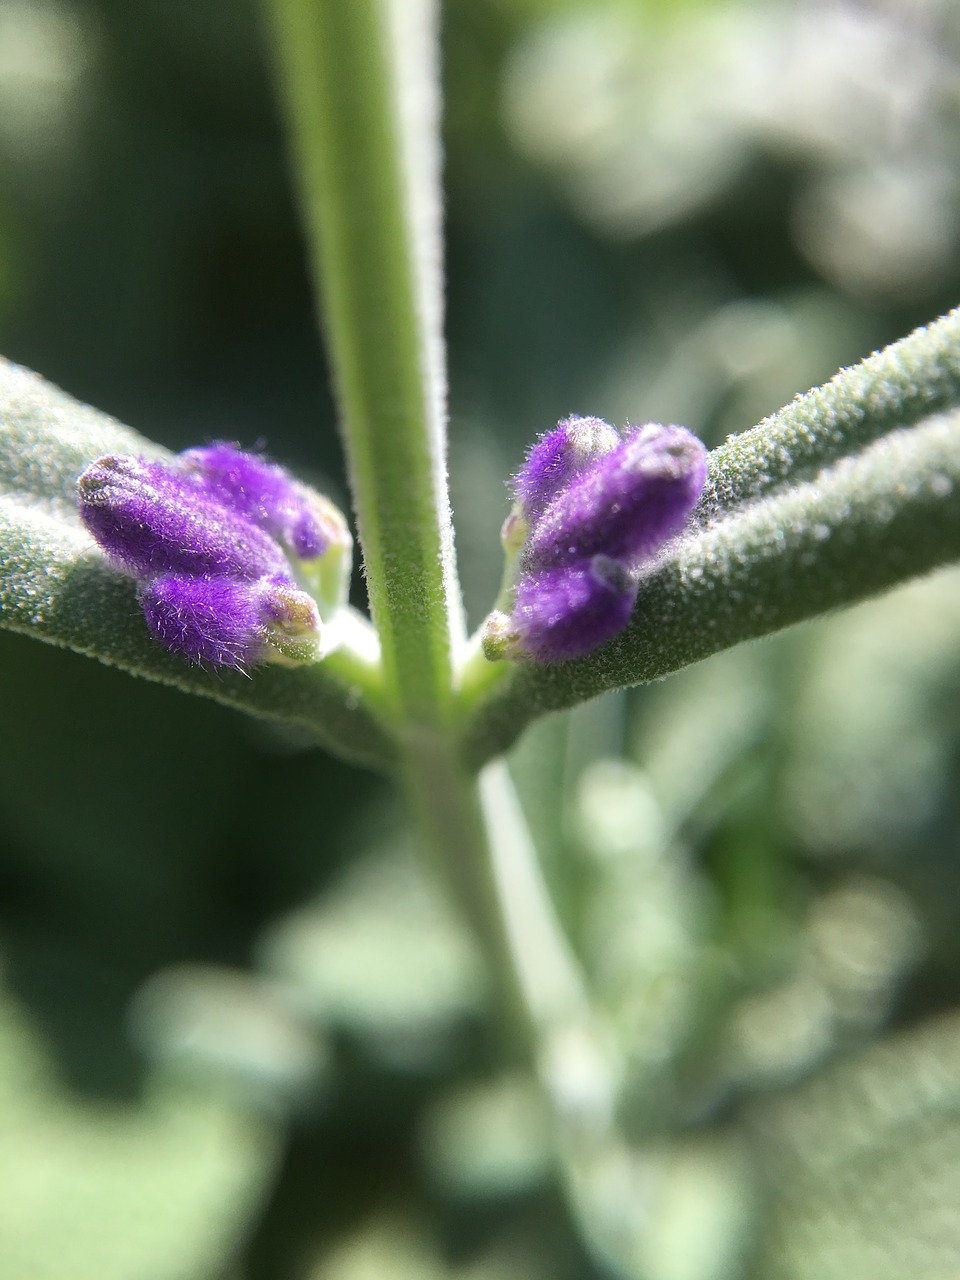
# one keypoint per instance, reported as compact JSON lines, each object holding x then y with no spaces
{"x":478,"y":842}
{"x":359,"y":81}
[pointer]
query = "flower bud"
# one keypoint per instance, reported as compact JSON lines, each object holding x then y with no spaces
{"x":291,"y":623}
{"x":304,"y":521}
{"x":150,"y":519}
{"x":590,"y":508}
{"x":228,"y":622}
{"x":222,"y":544}
{"x":556,"y":458}
{"x":513,"y":533}
{"x":210,"y":620}
{"x":626,"y":504}
{"x":567,"y":612}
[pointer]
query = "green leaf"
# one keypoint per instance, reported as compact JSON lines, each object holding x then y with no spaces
{"x":864,"y":1165}
{"x":847,"y":491}
{"x":381,"y":956}
{"x":162,"y":1189}
{"x":57,"y":586}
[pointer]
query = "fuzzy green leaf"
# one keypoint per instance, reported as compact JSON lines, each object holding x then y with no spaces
{"x":849,"y":490}
{"x":56,"y":585}
{"x":158,"y":1187}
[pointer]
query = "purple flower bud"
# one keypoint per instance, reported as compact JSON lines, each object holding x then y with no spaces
{"x":227,"y":622}
{"x":566,"y":612}
{"x":213,"y":620}
{"x":556,"y":458}
{"x":626,"y":504}
{"x":151,"y":519}
{"x":207,"y":536}
{"x":590,"y":508}
{"x":304,"y":521}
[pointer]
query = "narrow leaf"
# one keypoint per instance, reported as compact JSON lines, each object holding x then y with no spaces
{"x":847,"y":491}
{"x":56,"y":585}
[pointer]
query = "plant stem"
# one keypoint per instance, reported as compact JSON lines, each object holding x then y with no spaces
{"x":358,"y":79}
{"x":354,"y":73}
{"x":477,"y":838}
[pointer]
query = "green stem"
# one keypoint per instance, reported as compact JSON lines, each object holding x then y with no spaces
{"x":445,"y":805}
{"x":355,"y":73}
{"x":547,"y":971}
{"x":481,"y":848}
{"x":357,"y":79}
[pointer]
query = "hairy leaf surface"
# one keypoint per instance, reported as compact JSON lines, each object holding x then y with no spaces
{"x":851,"y":489}
{"x":56,"y":585}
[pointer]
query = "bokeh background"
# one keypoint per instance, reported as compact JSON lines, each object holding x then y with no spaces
{"x":240,"y":1037}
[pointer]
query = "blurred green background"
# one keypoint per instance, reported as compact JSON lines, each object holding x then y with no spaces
{"x":240,"y":1038}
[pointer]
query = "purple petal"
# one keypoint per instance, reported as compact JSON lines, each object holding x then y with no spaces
{"x":556,"y":458}
{"x":307,"y":537}
{"x":567,"y":612}
{"x":152,"y":519}
{"x":206,"y":619}
{"x":269,"y":496}
{"x":626,"y":504}
{"x":224,"y":622}
{"x":247,"y":483}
